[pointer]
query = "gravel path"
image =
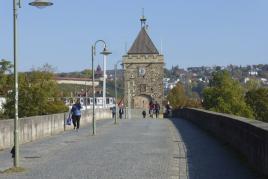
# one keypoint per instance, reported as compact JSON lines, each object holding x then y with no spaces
{"x":133,"y":149}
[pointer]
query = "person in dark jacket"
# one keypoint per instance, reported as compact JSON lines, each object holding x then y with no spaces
{"x":151,"y":109}
{"x":168,"y":109}
{"x":76,"y":114}
{"x":157,"y":109}
{"x":113,"y":111}
{"x":13,"y":152}
{"x":144,"y":114}
{"x":121,"y":112}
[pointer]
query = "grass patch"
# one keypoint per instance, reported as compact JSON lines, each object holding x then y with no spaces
{"x":13,"y":170}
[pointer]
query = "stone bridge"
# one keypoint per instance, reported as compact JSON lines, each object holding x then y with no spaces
{"x":193,"y":144}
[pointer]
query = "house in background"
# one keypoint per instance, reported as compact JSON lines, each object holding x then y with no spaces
{"x":2,"y":102}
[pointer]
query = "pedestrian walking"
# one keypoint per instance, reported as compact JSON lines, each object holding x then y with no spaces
{"x":13,"y":152}
{"x":121,"y":112}
{"x":76,"y":114}
{"x":151,"y":109}
{"x":113,"y":111}
{"x":168,"y":109}
{"x":144,"y":114}
{"x":157,"y":109}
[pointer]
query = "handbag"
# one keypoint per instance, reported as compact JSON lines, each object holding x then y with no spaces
{"x":69,"y":120}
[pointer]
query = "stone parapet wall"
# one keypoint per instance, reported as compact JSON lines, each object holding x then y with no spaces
{"x":249,"y":137}
{"x":37,"y":127}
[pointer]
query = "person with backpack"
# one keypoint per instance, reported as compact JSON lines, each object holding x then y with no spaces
{"x":76,"y":114}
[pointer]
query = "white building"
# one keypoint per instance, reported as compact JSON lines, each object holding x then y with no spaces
{"x":264,"y":81}
{"x":253,"y":73}
{"x":110,"y":102}
{"x":2,"y":102}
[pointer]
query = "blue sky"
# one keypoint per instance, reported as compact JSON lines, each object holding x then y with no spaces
{"x":193,"y":32}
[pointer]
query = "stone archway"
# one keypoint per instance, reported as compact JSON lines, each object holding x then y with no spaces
{"x":141,"y":101}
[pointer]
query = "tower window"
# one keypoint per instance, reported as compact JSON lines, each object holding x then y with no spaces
{"x":143,"y":88}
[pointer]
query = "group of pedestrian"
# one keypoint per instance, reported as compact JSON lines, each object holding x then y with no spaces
{"x":154,"y":108}
{"x":75,"y":113}
{"x":120,"y":112}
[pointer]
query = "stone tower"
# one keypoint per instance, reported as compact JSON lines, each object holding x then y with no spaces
{"x":143,"y":72}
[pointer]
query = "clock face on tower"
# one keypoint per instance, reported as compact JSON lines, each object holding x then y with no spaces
{"x":141,"y":71}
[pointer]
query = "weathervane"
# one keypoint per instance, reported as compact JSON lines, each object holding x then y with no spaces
{"x":143,"y":19}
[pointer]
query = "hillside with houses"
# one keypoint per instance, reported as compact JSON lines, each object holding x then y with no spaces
{"x":198,"y":77}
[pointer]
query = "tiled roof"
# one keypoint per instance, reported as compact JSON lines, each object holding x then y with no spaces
{"x":143,"y":44}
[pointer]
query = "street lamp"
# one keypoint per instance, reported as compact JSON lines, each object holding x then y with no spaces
{"x":41,"y":3}
{"x":115,"y":90}
{"x":86,"y":94}
{"x":105,"y":52}
{"x":16,"y":4}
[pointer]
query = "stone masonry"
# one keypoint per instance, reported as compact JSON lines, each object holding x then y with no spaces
{"x":143,"y":73}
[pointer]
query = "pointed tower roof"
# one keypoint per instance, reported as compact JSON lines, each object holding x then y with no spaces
{"x":143,"y":44}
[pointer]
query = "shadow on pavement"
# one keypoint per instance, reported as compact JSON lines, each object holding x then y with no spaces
{"x":209,"y":158}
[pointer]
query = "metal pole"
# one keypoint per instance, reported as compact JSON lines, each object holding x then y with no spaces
{"x":115,"y":90}
{"x":86,"y":95}
{"x":16,"y":118}
{"x":105,"y":52}
{"x":128,"y":100}
{"x":93,"y":91}
{"x":104,"y":82}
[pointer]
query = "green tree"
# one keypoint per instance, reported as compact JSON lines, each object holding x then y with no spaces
{"x":5,"y":66}
{"x":177,"y":96}
{"x":87,"y":73}
{"x":198,"y":88}
{"x":38,"y":95}
{"x":226,"y":95}
{"x":6,"y":79}
{"x":257,"y":99}
{"x":252,"y":84}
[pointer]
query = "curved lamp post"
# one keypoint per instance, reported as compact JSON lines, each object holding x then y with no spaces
{"x":41,"y":3}
{"x":115,"y":90}
{"x":105,"y":53}
{"x":16,"y":5}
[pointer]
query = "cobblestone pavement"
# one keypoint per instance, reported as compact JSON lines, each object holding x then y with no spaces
{"x":132,"y":149}
{"x":209,"y":158}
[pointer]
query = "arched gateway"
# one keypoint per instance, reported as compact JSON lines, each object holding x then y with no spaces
{"x":141,"y":101}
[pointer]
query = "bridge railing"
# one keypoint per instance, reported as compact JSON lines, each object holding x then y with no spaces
{"x":36,"y":127}
{"x":247,"y":136}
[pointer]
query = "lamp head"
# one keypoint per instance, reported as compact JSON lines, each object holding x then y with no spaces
{"x":105,"y":51}
{"x":41,"y":3}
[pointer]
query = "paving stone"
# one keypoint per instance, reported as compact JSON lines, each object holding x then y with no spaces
{"x":138,"y":149}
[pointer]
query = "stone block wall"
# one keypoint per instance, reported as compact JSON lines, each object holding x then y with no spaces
{"x":149,"y":84}
{"x":37,"y":127}
{"x":247,"y":136}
